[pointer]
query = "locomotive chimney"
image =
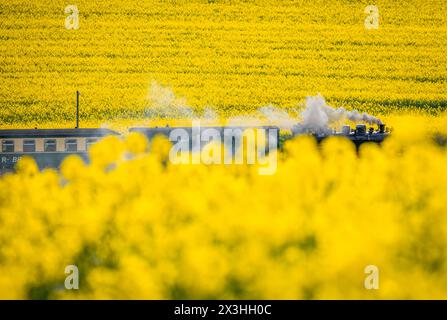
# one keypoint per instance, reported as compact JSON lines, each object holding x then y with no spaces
{"x":381,"y":128}
{"x":360,"y":130}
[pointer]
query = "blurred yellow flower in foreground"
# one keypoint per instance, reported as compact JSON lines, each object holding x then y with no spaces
{"x":138,"y":226}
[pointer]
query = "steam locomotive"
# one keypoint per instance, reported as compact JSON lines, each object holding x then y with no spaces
{"x":50,"y":146}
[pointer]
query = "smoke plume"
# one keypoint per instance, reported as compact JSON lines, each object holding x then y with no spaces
{"x":316,"y":116}
{"x":163,"y":103}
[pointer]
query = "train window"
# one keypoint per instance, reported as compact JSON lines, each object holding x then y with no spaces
{"x":8,"y":146}
{"x":49,"y":145}
{"x":29,"y":145}
{"x":89,"y":143}
{"x":71,"y":145}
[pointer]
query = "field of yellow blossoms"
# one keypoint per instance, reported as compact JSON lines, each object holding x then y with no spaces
{"x":233,"y":55}
{"x":138,"y":226}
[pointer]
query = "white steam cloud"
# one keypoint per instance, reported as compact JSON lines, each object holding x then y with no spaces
{"x":316,"y":116}
{"x":163,"y":103}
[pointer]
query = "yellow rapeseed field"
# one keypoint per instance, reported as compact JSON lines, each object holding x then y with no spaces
{"x":138,"y":226}
{"x":233,"y":55}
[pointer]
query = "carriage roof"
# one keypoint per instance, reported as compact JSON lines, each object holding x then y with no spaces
{"x":55,"y":133}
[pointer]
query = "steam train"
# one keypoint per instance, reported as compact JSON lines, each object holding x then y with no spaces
{"x":50,"y":146}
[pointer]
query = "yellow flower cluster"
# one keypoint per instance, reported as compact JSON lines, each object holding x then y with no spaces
{"x":232,"y":55}
{"x":138,"y":226}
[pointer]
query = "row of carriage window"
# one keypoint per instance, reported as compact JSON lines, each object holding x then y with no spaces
{"x":49,"y":145}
